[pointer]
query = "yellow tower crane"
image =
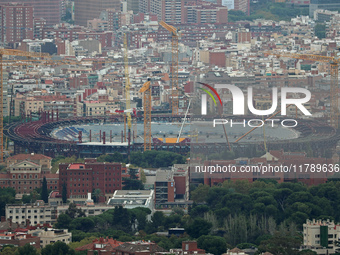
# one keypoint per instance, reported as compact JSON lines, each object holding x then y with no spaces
{"x":146,"y":90}
{"x":9,"y":52}
{"x":127,"y":89}
{"x":334,"y":68}
{"x":174,"y":65}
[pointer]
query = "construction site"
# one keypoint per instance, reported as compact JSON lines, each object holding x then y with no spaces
{"x":130,"y":105}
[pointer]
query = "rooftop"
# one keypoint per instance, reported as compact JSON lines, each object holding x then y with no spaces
{"x":164,"y":175}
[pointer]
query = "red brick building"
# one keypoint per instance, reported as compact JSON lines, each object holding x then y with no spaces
{"x":50,"y":10}
{"x":83,"y":178}
{"x":105,"y":38}
{"x":217,"y":58}
{"x":25,"y":172}
{"x":64,"y":33}
{"x":190,"y":247}
{"x":16,"y":22}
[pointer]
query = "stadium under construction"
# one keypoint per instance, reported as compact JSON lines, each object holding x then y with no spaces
{"x":104,"y":135}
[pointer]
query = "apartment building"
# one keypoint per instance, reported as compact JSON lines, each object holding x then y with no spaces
{"x":133,"y":5}
{"x":95,"y":108}
{"x":26,"y":105}
{"x":203,"y":14}
{"x":50,"y":10}
{"x":144,"y":6}
{"x":83,"y":178}
{"x":39,"y":24}
{"x":63,"y":104}
{"x":41,"y":213}
{"x":85,"y":10}
{"x":168,"y":10}
{"x":37,"y":213}
{"x":172,"y":188}
{"x":50,"y":236}
{"x":242,"y":5}
{"x":16,"y":22}
{"x":320,"y":236}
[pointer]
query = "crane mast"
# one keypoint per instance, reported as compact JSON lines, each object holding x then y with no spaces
{"x":174,"y":65}
{"x":146,"y":90}
{"x":127,"y":86}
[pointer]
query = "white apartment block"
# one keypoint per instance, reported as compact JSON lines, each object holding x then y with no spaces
{"x":40,"y":213}
{"x":321,"y":236}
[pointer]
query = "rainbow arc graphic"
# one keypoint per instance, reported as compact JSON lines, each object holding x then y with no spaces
{"x":204,"y":97}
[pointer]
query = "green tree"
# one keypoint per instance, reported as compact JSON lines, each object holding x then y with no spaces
{"x":131,"y":184}
{"x":57,"y":249}
{"x":200,"y":193}
{"x":320,"y":30}
{"x":199,"y":210}
{"x":281,"y":243}
{"x":7,"y":196}
{"x":27,"y":249}
{"x":44,"y":191}
{"x":35,"y":195}
{"x":97,"y":193}
{"x":142,"y":176}
{"x":74,"y":212}
{"x":212,"y":244}
{"x":236,"y":16}
{"x":82,"y":242}
{"x":59,"y":160}
{"x":26,"y":199}
{"x":139,"y":214}
{"x":121,"y":219}
{"x":8,"y":250}
{"x":115,"y":157}
{"x":307,"y":252}
{"x":84,"y":224}
{"x":198,"y":227}
{"x":158,"y":219}
{"x":63,"y":221}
